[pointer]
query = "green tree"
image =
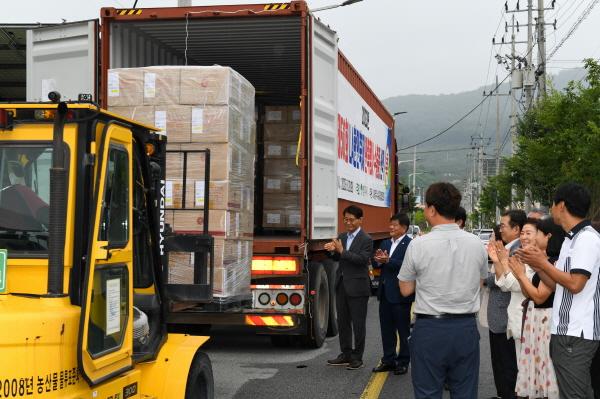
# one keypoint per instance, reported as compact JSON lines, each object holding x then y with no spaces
{"x":558,"y":141}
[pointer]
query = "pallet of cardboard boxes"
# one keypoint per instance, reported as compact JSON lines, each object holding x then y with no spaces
{"x":201,"y":108}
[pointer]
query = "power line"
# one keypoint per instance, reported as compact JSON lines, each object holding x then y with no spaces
{"x":432,"y":151}
{"x":582,"y":17}
{"x":458,"y":121}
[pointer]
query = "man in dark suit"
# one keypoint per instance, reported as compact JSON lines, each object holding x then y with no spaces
{"x":352,"y":249}
{"x":394,"y":309}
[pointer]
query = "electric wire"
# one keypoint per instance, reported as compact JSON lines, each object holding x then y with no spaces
{"x":458,"y":121}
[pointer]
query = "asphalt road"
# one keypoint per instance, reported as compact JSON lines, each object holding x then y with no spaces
{"x":246,"y":365}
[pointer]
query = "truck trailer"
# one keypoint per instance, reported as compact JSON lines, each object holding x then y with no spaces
{"x":345,"y":144}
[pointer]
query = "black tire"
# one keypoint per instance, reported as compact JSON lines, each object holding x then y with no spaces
{"x":318,"y":317}
{"x":200,"y":383}
{"x":331,"y":269}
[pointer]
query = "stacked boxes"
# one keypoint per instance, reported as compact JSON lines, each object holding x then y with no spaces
{"x":201,"y":108}
{"x":281,"y":182}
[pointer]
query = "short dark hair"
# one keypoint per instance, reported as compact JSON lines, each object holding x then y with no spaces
{"x":497,"y":234}
{"x":531,"y":221}
{"x":547,"y":226}
{"x":445,"y":198}
{"x":401,"y":218}
{"x":516,"y":217}
{"x":461,"y":214}
{"x":576,"y":197}
{"x":354,"y":211}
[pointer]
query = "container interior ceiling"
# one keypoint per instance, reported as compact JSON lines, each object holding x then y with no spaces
{"x":265,"y":50}
{"x":13,"y":42}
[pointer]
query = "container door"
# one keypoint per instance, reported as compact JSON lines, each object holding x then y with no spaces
{"x":324,"y":67}
{"x":62,"y":58}
{"x":106,"y":327}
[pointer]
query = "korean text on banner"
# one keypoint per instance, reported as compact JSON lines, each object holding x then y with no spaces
{"x":364,"y":150}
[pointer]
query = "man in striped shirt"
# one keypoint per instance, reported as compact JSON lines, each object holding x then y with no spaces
{"x":575,"y":277}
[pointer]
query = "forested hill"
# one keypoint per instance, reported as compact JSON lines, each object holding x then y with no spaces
{"x":427,"y":115}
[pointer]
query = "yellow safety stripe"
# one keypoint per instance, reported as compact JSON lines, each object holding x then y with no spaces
{"x":133,"y":11}
{"x":278,"y":6}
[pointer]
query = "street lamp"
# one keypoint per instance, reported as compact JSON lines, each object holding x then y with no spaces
{"x":345,"y":3}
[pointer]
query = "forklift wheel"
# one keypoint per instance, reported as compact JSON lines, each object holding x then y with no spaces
{"x":200,"y":383}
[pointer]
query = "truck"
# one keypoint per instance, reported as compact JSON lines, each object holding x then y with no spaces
{"x":346,"y":150}
{"x":81,"y":294}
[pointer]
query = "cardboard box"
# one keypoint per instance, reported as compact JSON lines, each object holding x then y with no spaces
{"x":294,"y":115}
{"x":176,"y":122}
{"x":276,"y":114}
{"x":125,"y":87}
{"x":280,"y":149}
{"x":226,"y":224}
{"x":281,"y":132}
{"x":143,"y":114}
{"x":281,"y":167}
{"x":217,"y":124}
{"x":280,"y":202}
{"x":275,"y":218}
{"x":161,"y":85}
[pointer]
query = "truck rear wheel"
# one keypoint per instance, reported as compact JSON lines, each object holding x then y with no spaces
{"x":331,"y":269}
{"x":200,"y":383}
{"x":318,"y":319}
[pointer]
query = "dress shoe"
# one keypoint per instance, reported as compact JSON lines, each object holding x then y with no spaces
{"x":401,"y":370}
{"x":355,"y":365}
{"x":383,"y":367}
{"x":341,"y":360}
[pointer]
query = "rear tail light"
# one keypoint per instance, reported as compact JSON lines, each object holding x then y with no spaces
{"x":281,"y":299}
{"x":295,"y":299}
{"x":6,"y":119}
{"x":275,"y":265}
{"x":264,"y":298}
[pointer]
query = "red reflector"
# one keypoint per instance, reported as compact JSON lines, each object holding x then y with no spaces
{"x":6,"y":119}
{"x":313,"y":292}
{"x":295,"y":299}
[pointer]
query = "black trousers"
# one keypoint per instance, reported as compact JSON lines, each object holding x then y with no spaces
{"x":394,"y":319}
{"x":595,"y":374}
{"x":504,"y":364}
{"x":352,"y":317}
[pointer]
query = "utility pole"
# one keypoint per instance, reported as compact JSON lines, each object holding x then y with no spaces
{"x":528,"y":77}
{"x":541,"y":49}
{"x":414,"y":170}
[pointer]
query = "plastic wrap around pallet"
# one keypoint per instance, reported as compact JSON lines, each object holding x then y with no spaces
{"x":201,"y":108}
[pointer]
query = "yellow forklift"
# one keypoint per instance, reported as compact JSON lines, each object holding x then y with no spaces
{"x":83,"y":260}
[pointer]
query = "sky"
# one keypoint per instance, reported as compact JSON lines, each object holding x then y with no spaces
{"x":400,"y":47}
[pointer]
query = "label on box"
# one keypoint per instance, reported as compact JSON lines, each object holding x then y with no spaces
{"x":294,"y":219}
{"x":292,"y":149}
{"x":197,"y":120}
{"x":113,"y":84}
{"x":160,"y":121}
{"x":274,"y":184}
{"x":168,"y":193}
{"x":294,"y":184}
{"x":274,"y":150}
{"x":296,"y":115}
{"x":199,"y":193}
{"x":149,"y":85}
{"x":274,"y":116}
{"x":273,"y":218}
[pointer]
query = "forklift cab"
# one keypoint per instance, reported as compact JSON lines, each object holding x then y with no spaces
{"x":83,"y":270}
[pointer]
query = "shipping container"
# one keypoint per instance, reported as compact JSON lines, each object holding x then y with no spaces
{"x":345,"y":151}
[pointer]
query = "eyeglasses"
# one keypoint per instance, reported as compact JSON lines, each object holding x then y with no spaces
{"x":350,"y":220}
